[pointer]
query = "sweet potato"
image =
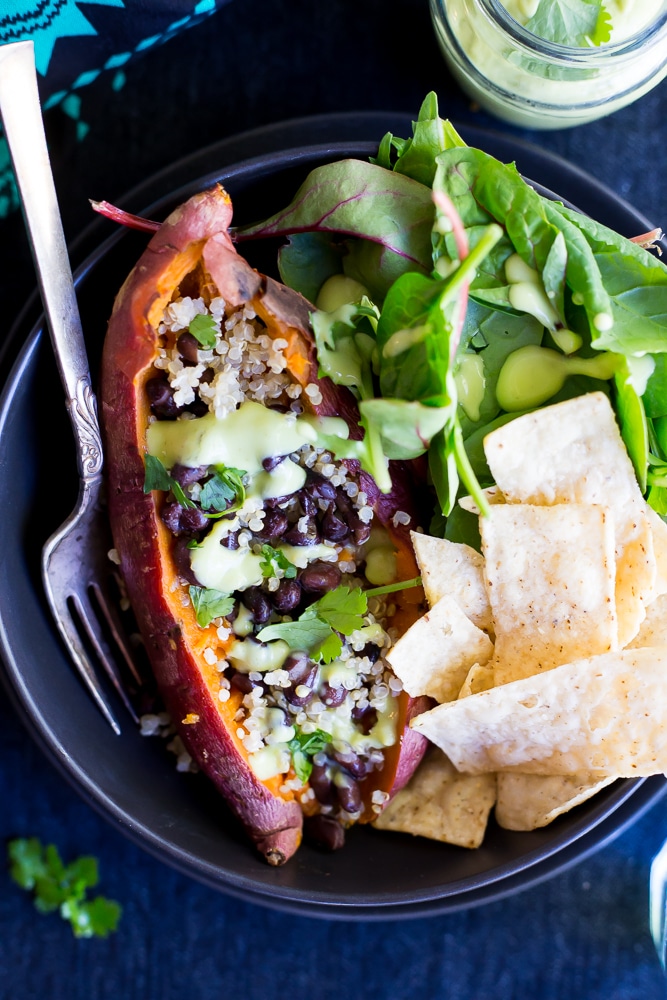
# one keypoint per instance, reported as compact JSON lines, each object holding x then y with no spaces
{"x":193,"y":253}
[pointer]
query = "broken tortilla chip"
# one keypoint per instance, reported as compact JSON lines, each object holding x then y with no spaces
{"x":456,"y":570}
{"x":435,"y":654}
{"x":530,"y":801}
{"x":604,"y":714}
{"x":441,"y":804}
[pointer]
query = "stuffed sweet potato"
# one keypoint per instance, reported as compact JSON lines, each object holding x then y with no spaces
{"x":246,"y":548}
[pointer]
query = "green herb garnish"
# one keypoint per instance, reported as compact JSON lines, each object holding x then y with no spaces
{"x":209,"y":604}
{"x":273,"y":559}
{"x":341,"y":610}
{"x":578,"y":23}
{"x":303,"y":747}
{"x":157,"y":478}
{"x":203,"y":328}
{"x":56,"y":886}
{"x":224,"y":492}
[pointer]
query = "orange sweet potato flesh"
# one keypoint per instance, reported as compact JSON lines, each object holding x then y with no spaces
{"x":195,"y":238}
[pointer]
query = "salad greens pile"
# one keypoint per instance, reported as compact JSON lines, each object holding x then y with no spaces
{"x":453,"y":297}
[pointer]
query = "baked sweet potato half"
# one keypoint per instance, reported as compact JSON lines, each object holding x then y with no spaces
{"x":246,"y":548}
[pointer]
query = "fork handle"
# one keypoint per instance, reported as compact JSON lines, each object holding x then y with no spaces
{"x":24,"y":129}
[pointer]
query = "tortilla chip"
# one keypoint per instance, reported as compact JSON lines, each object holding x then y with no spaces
{"x":550,"y":574}
{"x":441,"y":804}
{"x":454,"y":569}
{"x":434,"y":656}
{"x":605,"y":714}
{"x":530,"y":801}
{"x":653,"y":630}
{"x":659,"y":533}
{"x":572,"y":452}
{"x":492,"y":494}
{"x":480,"y":678}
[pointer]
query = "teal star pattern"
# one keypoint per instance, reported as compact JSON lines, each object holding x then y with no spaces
{"x":45,"y":21}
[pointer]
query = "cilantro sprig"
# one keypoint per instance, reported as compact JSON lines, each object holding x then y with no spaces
{"x":275,"y":559}
{"x":317,"y":629}
{"x":55,"y":886}
{"x":204,"y":329}
{"x":224,"y":492}
{"x":157,"y":478}
{"x":304,"y":746}
{"x":209,"y":604}
{"x":340,"y":612}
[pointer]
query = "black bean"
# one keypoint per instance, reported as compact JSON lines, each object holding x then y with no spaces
{"x":295,"y":536}
{"x":181,"y":554}
{"x":287,"y":597}
{"x":321,"y":783}
{"x":352,"y":762}
{"x":161,"y":398}
{"x":231,"y":540}
{"x":302,"y":672}
{"x":361,"y":531}
{"x":188,"y":347}
{"x":257,"y":604}
{"x":272,"y":462}
{"x":334,"y":527}
{"x":349,"y":794}
{"x":371,"y":652}
{"x":365,"y":718}
{"x":275,"y":524}
{"x":332,"y":696}
{"x":319,"y":486}
{"x":242,"y":683}
{"x":320,"y":577}
{"x":199,"y":407}
{"x":324,"y":832}
{"x":186,"y":476}
{"x":182,"y":520}
{"x":308,"y":504}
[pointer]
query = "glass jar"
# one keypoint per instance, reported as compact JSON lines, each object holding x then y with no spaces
{"x":531,"y":82}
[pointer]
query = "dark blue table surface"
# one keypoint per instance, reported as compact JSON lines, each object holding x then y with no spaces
{"x":582,"y":934}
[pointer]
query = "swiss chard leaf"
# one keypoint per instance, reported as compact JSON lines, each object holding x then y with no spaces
{"x":307,"y":260}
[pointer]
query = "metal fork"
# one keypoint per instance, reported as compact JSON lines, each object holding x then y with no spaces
{"x":76,"y":571}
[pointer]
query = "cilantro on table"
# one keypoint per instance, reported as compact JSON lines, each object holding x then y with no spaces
{"x":56,"y":886}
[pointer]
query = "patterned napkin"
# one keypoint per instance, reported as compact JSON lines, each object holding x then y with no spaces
{"x":77,"y":43}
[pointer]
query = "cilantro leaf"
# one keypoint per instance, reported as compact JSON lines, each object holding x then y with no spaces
{"x":204,"y":329}
{"x":224,"y":492}
{"x":315,"y":631}
{"x":303,"y":747}
{"x":569,"y":22}
{"x":273,"y":559}
{"x":209,"y":604}
{"x":306,"y":633}
{"x":343,"y":609}
{"x":157,"y":478}
{"x":59,"y":887}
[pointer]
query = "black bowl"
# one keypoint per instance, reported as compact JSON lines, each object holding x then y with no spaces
{"x":131,"y":779}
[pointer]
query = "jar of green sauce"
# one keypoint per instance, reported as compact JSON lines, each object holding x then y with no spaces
{"x":551,"y":64}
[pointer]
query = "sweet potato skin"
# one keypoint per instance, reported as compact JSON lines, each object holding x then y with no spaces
{"x":196,"y":232}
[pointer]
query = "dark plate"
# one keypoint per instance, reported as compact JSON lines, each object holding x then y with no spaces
{"x":130,"y":779}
